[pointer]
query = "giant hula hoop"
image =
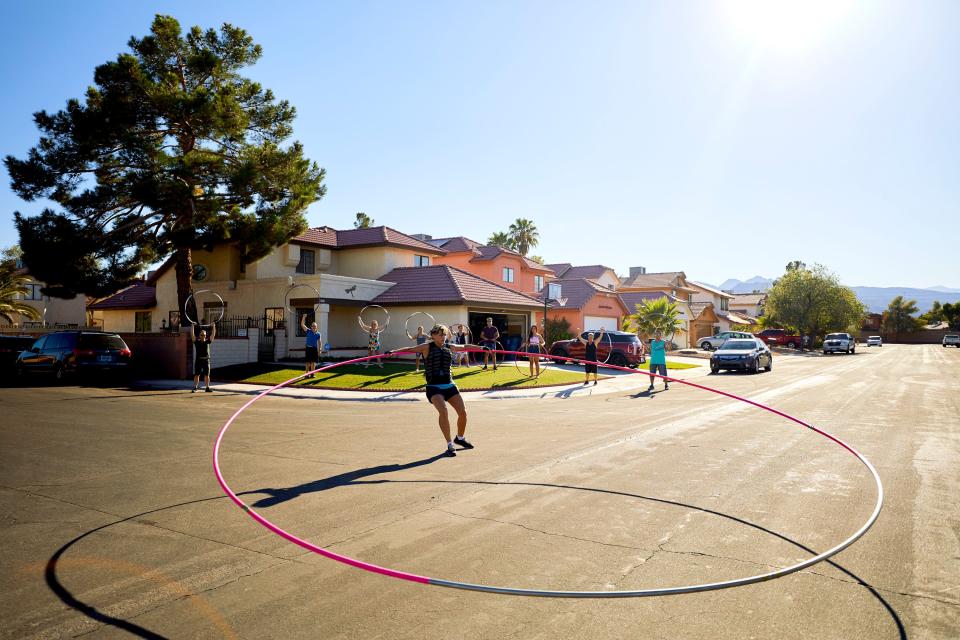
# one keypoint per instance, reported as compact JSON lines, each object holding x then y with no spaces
{"x":286,"y":299}
{"x":192,"y":296}
{"x":380,"y":327}
{"x":453,"y":584}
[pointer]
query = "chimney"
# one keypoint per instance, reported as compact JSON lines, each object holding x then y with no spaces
{"x":637,"y":271}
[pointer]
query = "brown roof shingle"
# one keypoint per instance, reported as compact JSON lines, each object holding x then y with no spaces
{"x":139,"y":295}
{"x":369,"y":237}
{"x":443,"y":284}
{"x":579,"y":291}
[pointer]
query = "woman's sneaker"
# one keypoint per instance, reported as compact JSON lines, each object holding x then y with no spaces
{"x":450,"y":452}
{"x":462,"y":442}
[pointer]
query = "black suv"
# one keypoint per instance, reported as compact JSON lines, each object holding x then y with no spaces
{"x":66,"y":352}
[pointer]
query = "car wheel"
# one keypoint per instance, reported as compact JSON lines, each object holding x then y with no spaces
{"x":792,"y":345}
{"x":705,"y":346}
{"x":714,"y":369}
{"x":617,"y":359}
{"x":560,"y":353}
{"x":756,"y":365}
{"x":58,"y":372}
{"x":769,"y":366}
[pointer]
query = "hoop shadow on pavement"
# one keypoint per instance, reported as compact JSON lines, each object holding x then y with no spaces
{"x":355,"y":478}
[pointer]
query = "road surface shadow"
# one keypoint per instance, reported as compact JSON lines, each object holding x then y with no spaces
{"x":354,"y":478}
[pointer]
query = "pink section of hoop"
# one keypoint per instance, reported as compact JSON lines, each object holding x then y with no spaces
{"x":403,"y":575}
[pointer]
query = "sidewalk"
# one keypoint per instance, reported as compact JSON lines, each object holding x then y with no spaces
{"x":618,"y":382}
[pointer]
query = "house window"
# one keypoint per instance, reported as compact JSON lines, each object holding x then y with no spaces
{"x":214,"y":311}
{"x":173,"y":319}
{"x":421,"y":261}
{"x":33,"y":292}
{"x":724,"y":304}
{"x":272,"y":319}
{"x":537,"y":283}
{"x":307,"y":262}
{"x":507,"y":274}
{"x":142,"y":322}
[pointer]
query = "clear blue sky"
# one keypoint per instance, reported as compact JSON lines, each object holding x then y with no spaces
{"x":721,"y":139}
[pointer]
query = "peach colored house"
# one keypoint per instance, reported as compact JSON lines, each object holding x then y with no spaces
{"x":589,"y":306}
{"x":502,"y":266}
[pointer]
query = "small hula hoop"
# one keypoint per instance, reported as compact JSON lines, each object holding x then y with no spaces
{"x":406,"y":323}
{"x":499,"y":350}
{"x":635,"y":593}
{"x":609,"y":346}
{"x":383,"y":326}
{"x":525,"y":349}
{"x":192,"y":296}
{"x":286,"y":299}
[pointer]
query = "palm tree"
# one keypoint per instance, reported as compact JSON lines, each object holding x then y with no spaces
{"x":656,"y":315}
{"x":13,"y":283}
{"x":899,"y":317}
{"x":524,"y":235}
{"x":501,"y":239}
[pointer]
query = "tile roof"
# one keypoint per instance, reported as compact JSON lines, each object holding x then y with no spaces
{"x":708,"y":288}
{"x":735,"y":318}
{"x":139,"y":295}
{"x":748,"y":298}
{"x":663,"y":279}
{"x":460,"y":244}
{"x":560,"y":268}
{"x":631,"y":299}
{"x":590,"y":272}
{"x":369,"y":237}
{"x":579,"y":291}
{"x":443,"y":284}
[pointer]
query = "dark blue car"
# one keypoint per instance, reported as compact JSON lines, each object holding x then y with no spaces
{"x":67,"y":352}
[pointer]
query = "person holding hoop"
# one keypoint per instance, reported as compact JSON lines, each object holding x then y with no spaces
{"x":490,"y":335}
{"x":441,"y":390}
{"x":420,"y":338}
{"x":534,"y":343}
{"x":312,"y":349}
{"x":590,"y":354}
{"x":373,"y":340}
{"x":201,"y":352}
{"x":658,"y":359}
{"x":461,"y":338}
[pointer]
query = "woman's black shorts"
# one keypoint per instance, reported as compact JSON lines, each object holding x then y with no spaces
{"x":311,"y":354}
{"x":591,"y":367}
{"x":446,"y":392}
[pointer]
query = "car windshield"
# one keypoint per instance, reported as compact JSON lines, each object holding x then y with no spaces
{"x":738,"y":345}
{"x":836,"y":336}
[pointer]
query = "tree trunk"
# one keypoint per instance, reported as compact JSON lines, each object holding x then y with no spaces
{"x":184,"y":269}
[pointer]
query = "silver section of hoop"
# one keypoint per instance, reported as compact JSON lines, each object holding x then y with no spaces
{"x":406,"y":323}
{"x":297,"y":285}
{"x":186,"y":305}
{"x":375,"y":306}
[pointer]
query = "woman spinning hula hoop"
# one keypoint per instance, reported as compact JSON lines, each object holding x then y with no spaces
{"x":590,"y":354}
{"x":420,"y":338}
{"x":461,"y":338}
{"x":373,"y":340}
{"x":438,"y":358}
{"x":201,"y":352}
{"x":535,"y":343}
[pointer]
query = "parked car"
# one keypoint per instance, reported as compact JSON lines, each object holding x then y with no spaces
{"x":744,"y":355}
{"x":874,"y":341}
{"x":66,"y":352}
{"x":836,"y":342}
{"x":779,"y":337}
{"x":951,"y":340}
{"x":628,"y":350}
{"x":10,"y":348}
{"x":714,"y":342}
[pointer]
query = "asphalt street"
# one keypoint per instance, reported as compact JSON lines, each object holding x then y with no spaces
{"x":112,"y":524}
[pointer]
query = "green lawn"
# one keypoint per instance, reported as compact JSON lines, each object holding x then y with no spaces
{"x":402,"y":377}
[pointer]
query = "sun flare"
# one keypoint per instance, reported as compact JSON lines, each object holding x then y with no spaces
{"x":785,"y":26}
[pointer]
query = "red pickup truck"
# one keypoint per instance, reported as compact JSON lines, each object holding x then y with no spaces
{"x":779,"y":337}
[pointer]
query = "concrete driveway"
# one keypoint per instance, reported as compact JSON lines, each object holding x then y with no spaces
{"x":112,"y":524}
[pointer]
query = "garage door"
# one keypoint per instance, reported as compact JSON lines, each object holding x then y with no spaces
{"x":593,"y":323}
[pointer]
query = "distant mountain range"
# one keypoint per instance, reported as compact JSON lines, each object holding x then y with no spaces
{"x":876,"y":298}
